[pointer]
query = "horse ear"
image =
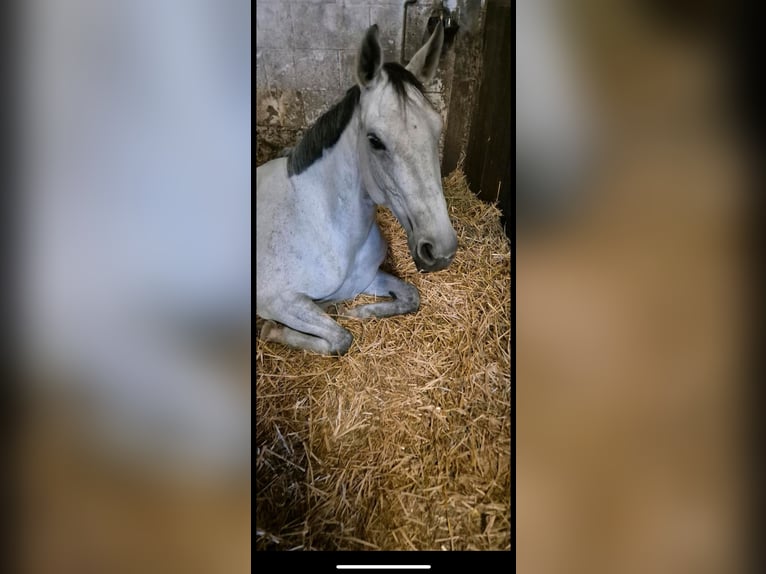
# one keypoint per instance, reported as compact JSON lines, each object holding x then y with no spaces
{"x":424,"y":62}
{"x":370,"y":57}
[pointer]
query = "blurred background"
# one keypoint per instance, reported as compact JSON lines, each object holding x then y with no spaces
{"x":134,"y":287}
{"x":635,"y":290}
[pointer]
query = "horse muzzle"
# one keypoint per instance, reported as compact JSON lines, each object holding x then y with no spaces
{"x":430,"y":256}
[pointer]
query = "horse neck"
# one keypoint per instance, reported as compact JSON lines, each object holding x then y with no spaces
{"x":341,"y":165}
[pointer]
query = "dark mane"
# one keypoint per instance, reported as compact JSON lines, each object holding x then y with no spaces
{"x":399,"y":77}
{"x":327,"y":130}
{"x":324,"y":134}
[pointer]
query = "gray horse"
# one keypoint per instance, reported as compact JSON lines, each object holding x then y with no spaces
{"x":317,"y":241}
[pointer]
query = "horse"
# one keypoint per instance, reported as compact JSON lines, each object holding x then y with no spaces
{"x":136,"y":224}
{"x":317,"y":240}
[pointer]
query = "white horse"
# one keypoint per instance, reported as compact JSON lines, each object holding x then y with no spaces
{"x":137,"y":225}
{"x":317,"y":240}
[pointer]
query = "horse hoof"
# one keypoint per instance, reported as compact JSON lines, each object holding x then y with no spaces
{"x":268,"y":330}
{"x":344,"y":345}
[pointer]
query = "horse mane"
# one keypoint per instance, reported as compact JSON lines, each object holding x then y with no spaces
{"x":326,"y":131}
{"x":400,"y":77}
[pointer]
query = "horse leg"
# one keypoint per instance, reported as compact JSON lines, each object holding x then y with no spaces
{"x":405,"y":298}
{"x":306,"y":326}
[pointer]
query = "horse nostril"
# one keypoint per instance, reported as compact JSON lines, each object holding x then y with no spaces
{"x":426,"y":252}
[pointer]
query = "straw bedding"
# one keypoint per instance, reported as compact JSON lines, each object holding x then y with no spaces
{"x":403,"y":443}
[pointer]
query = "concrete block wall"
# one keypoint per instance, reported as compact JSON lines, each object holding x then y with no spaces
{"x":305,"y":57}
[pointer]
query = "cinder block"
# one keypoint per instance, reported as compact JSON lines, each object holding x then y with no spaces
{"x":347,"y":68}
{"x":261,"y":76}
{"x":389,"y":21}
{"x":316,"y":26}
{"x":371,"y":2}
{"x":354,"y":23}
{"x":273,"y":25}
{"x":417,"y":20}
{"x":328,"y":26}
{"x":280,"y":68}
{"x":291,"y":113}
{"x":317,"y":102}
{"x":266,"y":108}
{"x":276,"y":107}
{"x":317,"y":69}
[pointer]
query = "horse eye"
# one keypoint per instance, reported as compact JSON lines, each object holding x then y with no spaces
{"x":375,"y":142}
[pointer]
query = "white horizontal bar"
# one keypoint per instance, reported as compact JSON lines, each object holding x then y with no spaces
{"x":384,"y":567}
